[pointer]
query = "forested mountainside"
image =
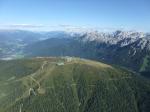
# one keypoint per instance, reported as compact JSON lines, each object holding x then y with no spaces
{"x":69,"y":84}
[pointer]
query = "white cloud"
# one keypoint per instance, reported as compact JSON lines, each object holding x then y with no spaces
{"x":22,"y":26}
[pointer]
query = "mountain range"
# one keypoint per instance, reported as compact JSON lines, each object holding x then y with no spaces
{"x":129,"y":49}
{"x":126,"y":48}
{"x":86,"y":71}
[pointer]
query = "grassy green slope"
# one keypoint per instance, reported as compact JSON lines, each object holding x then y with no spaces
{"x":41,"y":85}
{"x":145,"y":67}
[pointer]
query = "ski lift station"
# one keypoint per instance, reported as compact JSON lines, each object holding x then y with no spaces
{"x":60,"y":63}
{"x":69,"y":59}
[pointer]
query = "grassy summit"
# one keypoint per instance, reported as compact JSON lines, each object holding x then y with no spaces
{"x":70,"y":85}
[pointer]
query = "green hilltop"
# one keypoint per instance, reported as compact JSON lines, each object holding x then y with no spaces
{"x":66,"y":84}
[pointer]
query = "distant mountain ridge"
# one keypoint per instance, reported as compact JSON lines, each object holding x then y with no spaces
{"x":126,"y":48}
{"x":12,"y":42}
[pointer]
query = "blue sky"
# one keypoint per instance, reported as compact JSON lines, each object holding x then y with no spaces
{"x":127,"y":14}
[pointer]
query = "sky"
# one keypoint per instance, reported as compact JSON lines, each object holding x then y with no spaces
{"x":57,"y":14}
